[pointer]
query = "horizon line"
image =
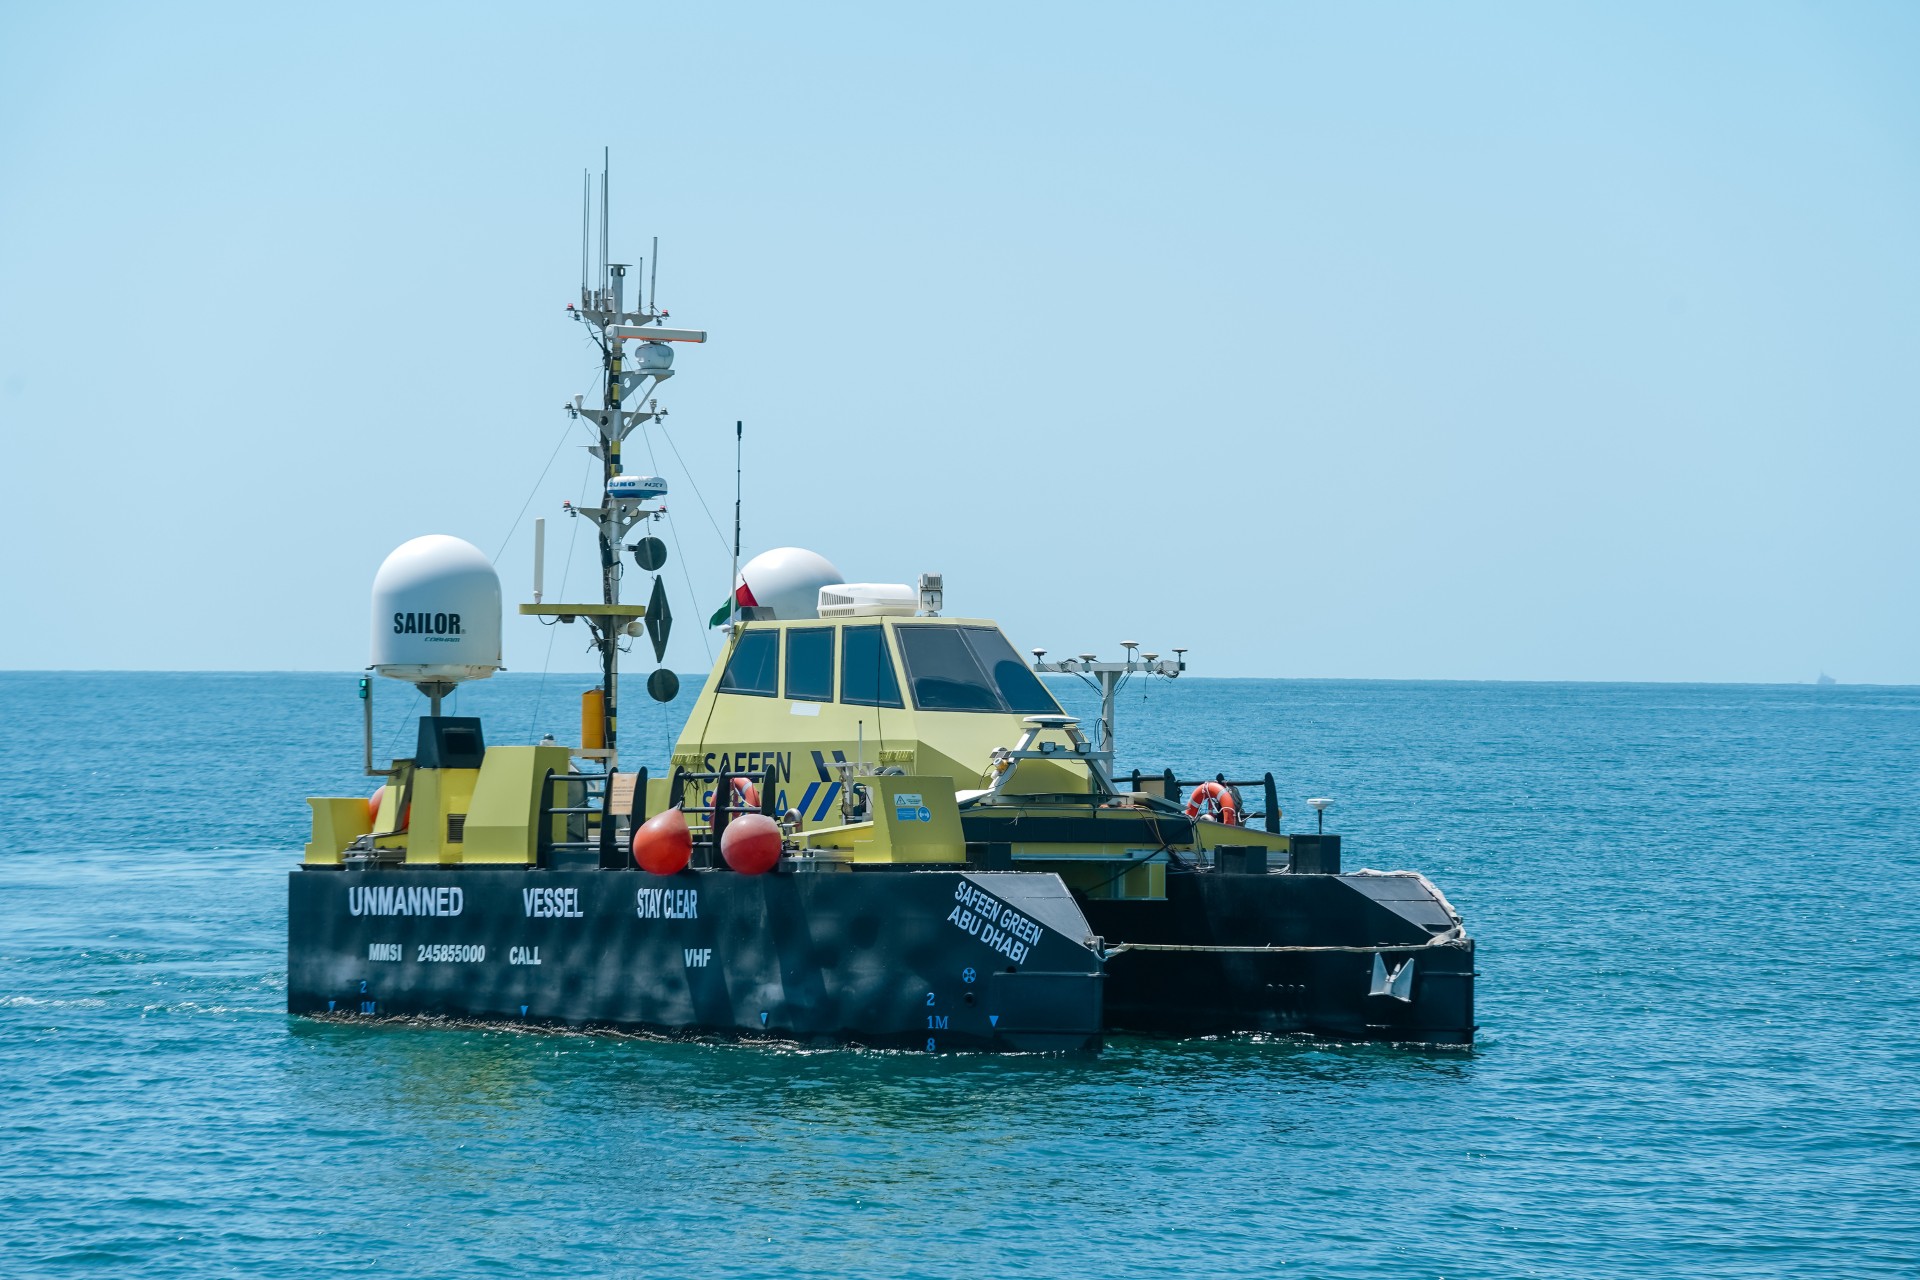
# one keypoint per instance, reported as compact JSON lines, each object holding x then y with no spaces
{"x":359,"y":671}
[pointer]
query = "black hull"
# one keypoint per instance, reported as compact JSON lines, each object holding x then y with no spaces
{"x":929,"y":960}
{"x":1327,"y":993}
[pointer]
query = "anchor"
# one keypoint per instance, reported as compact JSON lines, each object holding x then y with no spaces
{"x":1398,"y":984}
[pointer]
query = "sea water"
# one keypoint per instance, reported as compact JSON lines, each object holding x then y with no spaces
{"x":1698,"y":911}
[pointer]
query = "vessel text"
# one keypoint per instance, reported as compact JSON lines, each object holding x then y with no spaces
{"x":552,"y":902}
{"x":405,"y":900}
{"x":983,"y":916}
{"x":667,"y":904}
{"x":450,"y":953}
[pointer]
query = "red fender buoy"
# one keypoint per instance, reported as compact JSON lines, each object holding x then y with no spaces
{"x":373,"y":806}
{"x":662,"y":844}
{"x":1214,"y":796}
{"x":751,"y":844}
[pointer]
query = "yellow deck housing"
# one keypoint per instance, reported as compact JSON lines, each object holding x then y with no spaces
{"x":803,"y":737}
{"x":451,"y":816}
{"x":913,"y":765}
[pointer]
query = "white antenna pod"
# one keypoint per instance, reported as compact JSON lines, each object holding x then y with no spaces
{"x":539,"y":555}
{"x":786,"y":581}
{"x":436,"y":614}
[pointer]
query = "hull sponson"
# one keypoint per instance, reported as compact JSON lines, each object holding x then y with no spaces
{"x":930,"y":960}
{"x":1323,"y":993}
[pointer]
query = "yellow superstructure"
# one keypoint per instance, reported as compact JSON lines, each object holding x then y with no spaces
{"x":883,"y":739}
{"x":771,"y":717}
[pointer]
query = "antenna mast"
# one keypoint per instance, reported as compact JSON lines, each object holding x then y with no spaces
{"x":624,"y":501}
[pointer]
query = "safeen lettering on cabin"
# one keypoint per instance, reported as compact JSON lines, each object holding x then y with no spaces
{"x":983,"y":916}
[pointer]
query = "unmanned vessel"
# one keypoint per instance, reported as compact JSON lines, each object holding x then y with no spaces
{"x":878,"y":826}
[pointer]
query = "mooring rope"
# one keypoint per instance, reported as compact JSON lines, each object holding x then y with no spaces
{"x":1444,"y":940}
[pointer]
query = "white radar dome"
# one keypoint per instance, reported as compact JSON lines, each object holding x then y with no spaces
{"x":786,"y":580}
{"x":639,"y":488}
{"x":436,"y":612}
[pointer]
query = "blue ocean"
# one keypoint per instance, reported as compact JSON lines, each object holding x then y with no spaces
{"x":1696,"y":913}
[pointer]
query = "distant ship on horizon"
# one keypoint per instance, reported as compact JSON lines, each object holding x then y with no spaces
{"x":1825,"y":680}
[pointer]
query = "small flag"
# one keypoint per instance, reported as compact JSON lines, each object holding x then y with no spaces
{"x":742,"y":599}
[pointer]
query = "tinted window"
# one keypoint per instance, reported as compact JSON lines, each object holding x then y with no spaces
{"x":810,"y":664}
{"x":944,"y":673}
{"x":970,"y":669}
{"x":751,"y":669}
{"x":866,"y":669}
{"x":1018,"y":687}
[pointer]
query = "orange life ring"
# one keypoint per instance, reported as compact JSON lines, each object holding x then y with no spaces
{"x":745,"y":795}
{"x":1216,"y":796}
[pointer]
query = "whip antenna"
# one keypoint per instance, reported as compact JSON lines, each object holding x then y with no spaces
{"x":732,"y":578}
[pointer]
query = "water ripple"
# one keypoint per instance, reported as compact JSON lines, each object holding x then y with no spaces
{"x":1697,"y":1056}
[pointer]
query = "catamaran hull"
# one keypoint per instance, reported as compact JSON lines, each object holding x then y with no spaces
{"x":1354,"y":957}
{"x":931,"y":961}
{"x":923,"y":960}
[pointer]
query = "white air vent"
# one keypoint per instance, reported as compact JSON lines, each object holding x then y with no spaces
{"x":869,"y":600}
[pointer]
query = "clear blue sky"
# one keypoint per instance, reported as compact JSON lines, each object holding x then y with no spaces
{"x":1459,"y":341}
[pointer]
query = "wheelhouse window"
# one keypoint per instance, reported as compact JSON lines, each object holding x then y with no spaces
{"x":866,"y":668}
{"x":753,"y":668}
{"x":970,"y":669}
{"x":810,"y":664}
{"x":1013,"y":679}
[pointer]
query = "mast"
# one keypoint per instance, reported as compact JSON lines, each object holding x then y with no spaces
{"x":603,"y":309}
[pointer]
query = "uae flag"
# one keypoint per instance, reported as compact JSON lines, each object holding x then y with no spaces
{"x":742,"y":599}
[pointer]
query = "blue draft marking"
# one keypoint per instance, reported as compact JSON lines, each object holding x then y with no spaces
{"x":763,"y":1017}
{"x":967,"y":974}
{"x":329,"y":1006}
{"x":993,"y":1019}
{"x":523,"y":1011}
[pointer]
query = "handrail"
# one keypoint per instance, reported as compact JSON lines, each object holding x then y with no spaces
{"x":596,"y":785}
{"x":1271,"y":793}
